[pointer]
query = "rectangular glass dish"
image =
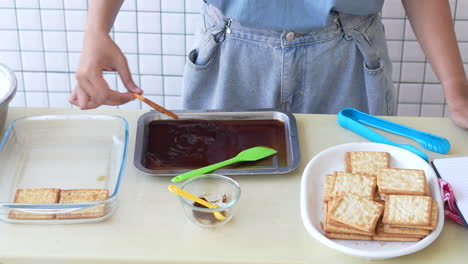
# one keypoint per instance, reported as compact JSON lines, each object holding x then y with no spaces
{"x":168,"y":147}
{"x":65,"y":152}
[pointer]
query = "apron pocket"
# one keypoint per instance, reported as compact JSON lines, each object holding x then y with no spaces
{"x":202,"y":56}
{"x":370,"y":41}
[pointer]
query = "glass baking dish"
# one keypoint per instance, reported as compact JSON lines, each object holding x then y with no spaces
{"x":63,"y":152}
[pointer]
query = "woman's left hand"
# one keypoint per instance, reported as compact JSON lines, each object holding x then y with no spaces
{"x":458,"y":104}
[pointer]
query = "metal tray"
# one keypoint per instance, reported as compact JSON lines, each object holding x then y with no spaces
{"x":292,"y":144}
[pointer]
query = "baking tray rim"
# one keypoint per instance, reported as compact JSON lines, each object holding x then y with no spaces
{"x":292,"y":142}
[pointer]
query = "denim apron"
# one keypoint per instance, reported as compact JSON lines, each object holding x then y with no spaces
{"x":345,"y":64}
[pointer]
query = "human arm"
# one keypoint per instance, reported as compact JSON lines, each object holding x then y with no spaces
{"x":432,"y":23}
{"x":100,"y":53}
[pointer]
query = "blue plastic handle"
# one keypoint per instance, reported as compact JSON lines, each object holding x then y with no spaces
{"x":349,"y":123}
{"x":428,"y":141}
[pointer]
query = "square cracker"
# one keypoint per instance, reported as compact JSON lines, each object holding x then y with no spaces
{"x":328,"y":187}
{"x":356,"y":212}
{"x":402,"y":181}
{"x":380,"y":231}
{"x":332,"y":228}
{"x":354,"y":183}
{"x":405,"y":231}
{"x":369,"y":162}
{"x":402,"y":239}
{"x":35,"y":196}
{"x":81,"y":196}
{"x":408,"y":210}
{"x":347,"y":236}
{"x":434,"y":217}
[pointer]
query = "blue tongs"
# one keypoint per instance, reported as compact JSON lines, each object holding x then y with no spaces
{"x":355,"y":120}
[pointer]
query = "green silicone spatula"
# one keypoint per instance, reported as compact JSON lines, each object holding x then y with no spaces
{"x":251,"y":154}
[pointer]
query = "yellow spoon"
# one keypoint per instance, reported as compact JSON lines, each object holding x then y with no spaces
{"x":194,"y":198}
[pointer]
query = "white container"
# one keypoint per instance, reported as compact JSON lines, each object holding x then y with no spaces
{"x":7,"y":92}
{"x":333,"y":159}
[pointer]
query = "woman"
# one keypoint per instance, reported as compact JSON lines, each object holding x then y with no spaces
{"x":300,"y":56}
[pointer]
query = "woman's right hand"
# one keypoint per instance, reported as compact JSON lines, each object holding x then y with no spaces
{"x":100,"y":53}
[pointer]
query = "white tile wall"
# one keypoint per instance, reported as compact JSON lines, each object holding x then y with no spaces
{"x":52,"y":3}
{"x":413,"y":52}
{"x":126,"y":21}
{"x":430,"y":110}
{"x":37,"y":99}
{"x":12,"y":59}
{"x":33,"y":61}
{"x":45,"y":38}
{"x":28,"y":19}
{"x":433,"y":94}
{"x":153,"y":5}
{"x":34,"y":81}
{"x":412,"y":72}
{"x":12,"y":43}
{"x":410,"y":93}
{"x":58,"y":82}
{"x":408,"y":109}
{"x":461,"y":29}
{"x":55,"y":40}
{"x":393,"y":9}
{"x":27,"y":3}
{"x":56,"y":61}
{"x":462,"y":7}
{"x":7,"y":4}
{"x":55,"y":19}
{"x":8,"y":18}
{"x":173,"y":5}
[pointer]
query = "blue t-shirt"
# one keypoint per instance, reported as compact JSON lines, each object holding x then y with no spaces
{"x":296,"y":15}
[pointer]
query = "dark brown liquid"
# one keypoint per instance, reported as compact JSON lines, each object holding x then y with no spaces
{"x":188,"y":144}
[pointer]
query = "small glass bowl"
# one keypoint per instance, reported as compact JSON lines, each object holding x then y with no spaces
{"x":216,"y":189}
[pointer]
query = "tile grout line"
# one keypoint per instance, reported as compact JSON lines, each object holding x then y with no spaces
{"x":140,"y":105}
{"x":43,"y":54}
{"x":67,"y":51}
{"x":20,"y":54}
{"x":162,"y":57}
{"x":401,"y":66}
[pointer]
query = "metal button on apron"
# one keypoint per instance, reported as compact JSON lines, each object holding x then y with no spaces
{"x":290,"y":36}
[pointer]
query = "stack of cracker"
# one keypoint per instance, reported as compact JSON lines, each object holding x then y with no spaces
{"x":53,"y":195}
{"x":371,"y":201}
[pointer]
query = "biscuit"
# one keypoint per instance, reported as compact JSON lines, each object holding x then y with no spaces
{"x":347,"y":236}
{"x":403,"y":239}
{"x":328,"y":187}
{"x":369,"y":162}
{"x":356,"y":212}
{"x":408,"y":210}
{"x":35,"y":196}
{"x":405,"y":231}
{"x":434,"y":217}
{"x":427,"y":191}
{"x":380,"y":231}
{"x":81,"y":196}
{"x":346,"y":183}
{"x":331,"y":228}
{"x":402,"y":181}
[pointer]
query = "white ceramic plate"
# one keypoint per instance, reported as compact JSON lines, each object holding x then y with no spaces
{"x":331,"y":160}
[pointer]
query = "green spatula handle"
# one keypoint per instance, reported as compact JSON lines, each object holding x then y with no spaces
{"x":210,"y":168}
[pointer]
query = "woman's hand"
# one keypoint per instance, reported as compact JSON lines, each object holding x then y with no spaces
{"x":100,"y":53}
{"x":458,"y":103}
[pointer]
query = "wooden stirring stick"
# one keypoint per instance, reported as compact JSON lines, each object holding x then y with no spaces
{"x":156,"y":106}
